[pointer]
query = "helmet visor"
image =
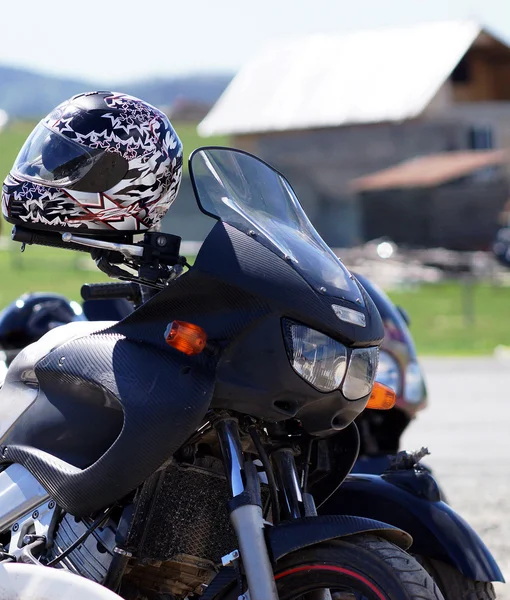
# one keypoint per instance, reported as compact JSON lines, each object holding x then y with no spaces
{"x":49,"y":158}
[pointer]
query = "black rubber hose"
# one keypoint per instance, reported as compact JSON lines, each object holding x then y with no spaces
{"x":266,"y":463}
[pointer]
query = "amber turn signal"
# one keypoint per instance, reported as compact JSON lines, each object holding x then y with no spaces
{"x":382,"y":397}
{"x":186,"y":337}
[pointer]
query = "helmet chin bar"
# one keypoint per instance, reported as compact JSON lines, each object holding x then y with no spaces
{"x":155,"y":260}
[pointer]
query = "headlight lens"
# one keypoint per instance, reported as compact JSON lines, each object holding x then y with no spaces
{"x":361,"y":373}
{"x":316,"y":357}
{"x":414,"y":390}
{"x":388,"y":372}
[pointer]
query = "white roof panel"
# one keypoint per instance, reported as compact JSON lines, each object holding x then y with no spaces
{"x":333,"y":80}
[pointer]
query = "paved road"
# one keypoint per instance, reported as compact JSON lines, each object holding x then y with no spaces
{"x":467,"y":429}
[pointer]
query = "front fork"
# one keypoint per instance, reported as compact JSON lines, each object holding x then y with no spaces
{"x":246,"y":508}
{"x":246,"y":513}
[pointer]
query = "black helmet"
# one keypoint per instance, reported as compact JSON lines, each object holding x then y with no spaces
{"x":29,"y":317}
{"x":101,"y":162}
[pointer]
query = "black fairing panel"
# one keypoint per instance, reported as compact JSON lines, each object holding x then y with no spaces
{"x":437,"y":530}
{"x":241,"y":261}
{"x":164,"y":397}
{"x":239,"y":291}
{"x":78,"y":425}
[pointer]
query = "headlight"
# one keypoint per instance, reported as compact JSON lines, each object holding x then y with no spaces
{"x":388,"y":372}
{"x":361,"y":373}
{"x":414,"y":389}
{"x":316,"y":357}
{"x":323,"y":362}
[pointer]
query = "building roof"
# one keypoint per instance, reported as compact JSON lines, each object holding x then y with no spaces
{"x":431,"y":170}
{"x":334,"y":80}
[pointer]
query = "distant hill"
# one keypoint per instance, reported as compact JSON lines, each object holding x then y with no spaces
{"x":25,"y":94}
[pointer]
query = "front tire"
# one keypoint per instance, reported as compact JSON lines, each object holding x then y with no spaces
{"x":359,"y":567}
{"x":454,"y":585}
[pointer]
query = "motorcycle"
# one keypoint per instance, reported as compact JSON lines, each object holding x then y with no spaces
{"x":399,"y":369}
{"x":31,"y":315}
{"x":174,"y":453}
{"x":394,"y":486}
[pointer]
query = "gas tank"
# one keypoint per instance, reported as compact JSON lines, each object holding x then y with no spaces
{"x":60,"y":425}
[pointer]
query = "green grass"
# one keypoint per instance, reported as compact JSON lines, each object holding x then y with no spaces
{"x":456,"y":319}
{"x":11,"y":140}
{"x":44,"y":269}
{"x":191,"y":140}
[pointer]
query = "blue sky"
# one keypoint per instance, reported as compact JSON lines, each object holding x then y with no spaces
{"x":107,"y":41}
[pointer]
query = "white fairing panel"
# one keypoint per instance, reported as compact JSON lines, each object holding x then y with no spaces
{"x":20,"y":493}
{"x":32,"y":582}
{"x":3,"y":367}
{"x":20,"y":389}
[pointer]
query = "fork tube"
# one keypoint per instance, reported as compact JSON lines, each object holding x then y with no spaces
{"x":232,"y":451}
{"x":246,"y":513}
{"x":288,"y":483}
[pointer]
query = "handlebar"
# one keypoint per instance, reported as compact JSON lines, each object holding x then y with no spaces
{"x":103,"y":291}
{"x":43,"y":238}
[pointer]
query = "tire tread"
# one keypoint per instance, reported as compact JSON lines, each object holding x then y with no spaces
{"x":454,"y":585}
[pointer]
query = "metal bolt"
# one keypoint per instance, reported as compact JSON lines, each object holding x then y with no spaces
{"x":358,"y":300}
{"x":161,"y":240}
{"x":323,"y":289}
{"x":51,"y":504}
{"x":35,"y":514}
{"x":252,"y":233}
{"x":61,"y":361}
{"x":15,"y":527}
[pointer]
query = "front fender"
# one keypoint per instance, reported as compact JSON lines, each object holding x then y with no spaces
{"x":405,"y":500}
{"x":301,"y":533}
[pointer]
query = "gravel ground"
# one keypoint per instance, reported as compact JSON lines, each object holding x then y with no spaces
{"x":467,"y":430}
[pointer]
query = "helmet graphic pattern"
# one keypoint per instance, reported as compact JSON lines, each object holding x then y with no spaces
{"x":111,"y":122}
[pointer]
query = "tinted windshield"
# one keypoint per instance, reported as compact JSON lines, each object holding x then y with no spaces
{"x":248,"y":194}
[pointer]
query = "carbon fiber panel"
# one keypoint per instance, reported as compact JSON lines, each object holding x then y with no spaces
{"x":164,"y":396}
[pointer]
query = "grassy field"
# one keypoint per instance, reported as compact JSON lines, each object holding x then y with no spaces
{"x":453,"y":318}
{"x":44,"y":269}
{"x":445,"y":318}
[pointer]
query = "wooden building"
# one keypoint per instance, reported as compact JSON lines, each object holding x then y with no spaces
{"x":328,"y":110}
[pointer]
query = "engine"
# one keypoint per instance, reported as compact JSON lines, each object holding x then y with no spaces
{"x":178,"y":535}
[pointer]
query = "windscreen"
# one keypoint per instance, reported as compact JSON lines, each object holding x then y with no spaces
{"x":243,"y":191}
